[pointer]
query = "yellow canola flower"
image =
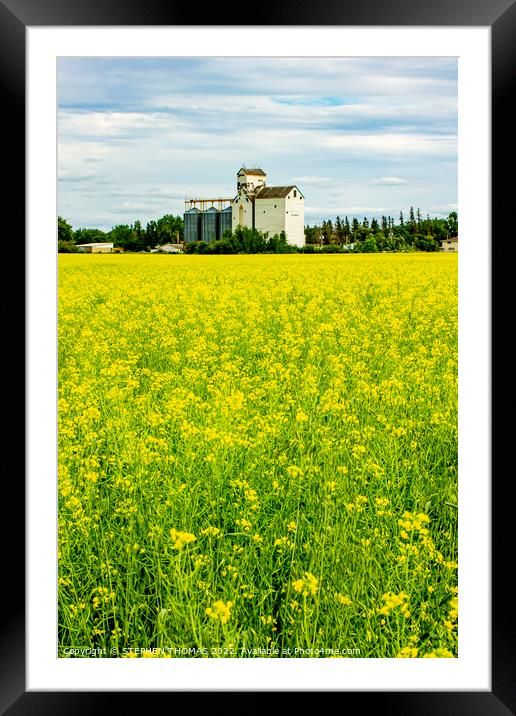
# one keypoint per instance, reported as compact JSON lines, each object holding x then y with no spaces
{"x":381,"y":501}
{"x":358,"y":505}
{"x":439,"y":654}
{"x":214,"y":531}
{"x":283,"y":541}
{"x":251,"y":495}
{"x":358,"y":451}
{"x":412,"y":521}
{"x":343,"y":599}
{"x":220,"y":611}
{"x":243,"y":523}
{"x":294,"y":471}
{"x":393,"y":601}
{"x":408,"y":652}
{"x":179,"y":539}
{"x":454,"y":608}
{"x":307,"y":586}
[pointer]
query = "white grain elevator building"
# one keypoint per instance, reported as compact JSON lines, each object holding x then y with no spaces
{"x":271,"y":209}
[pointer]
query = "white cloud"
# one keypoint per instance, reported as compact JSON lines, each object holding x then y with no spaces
{"x":345,"y":130}
{"x":313,"y":180}
{"x":71,"y":177}
{"x":388,"y":181}
{"x":390,"y":143}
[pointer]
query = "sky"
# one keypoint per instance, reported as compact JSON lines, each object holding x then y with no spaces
{"x":358,"y":136}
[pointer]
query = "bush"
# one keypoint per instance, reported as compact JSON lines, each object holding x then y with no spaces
{"x":67,"y":247}
{"x":222,"y":246}
{"x":368,"y":246}
{"x":425,"y":243}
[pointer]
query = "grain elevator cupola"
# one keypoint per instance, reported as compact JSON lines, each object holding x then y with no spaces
{"x":249,"y":179}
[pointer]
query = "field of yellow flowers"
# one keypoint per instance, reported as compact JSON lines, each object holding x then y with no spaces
{"x":257,"y":456}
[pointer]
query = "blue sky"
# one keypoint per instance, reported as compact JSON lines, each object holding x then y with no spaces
{"x":359,"y":136}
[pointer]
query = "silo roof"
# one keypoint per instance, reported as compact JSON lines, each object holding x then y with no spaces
{"x":256,"y":172}
{"x":274,"y":192}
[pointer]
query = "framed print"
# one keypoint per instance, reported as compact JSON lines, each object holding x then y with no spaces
{"x":107,"y":603}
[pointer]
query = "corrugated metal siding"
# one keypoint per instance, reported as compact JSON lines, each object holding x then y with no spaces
{"x":209,"y":221}
{"x":226,"y":218}
{"x":192,"y":219}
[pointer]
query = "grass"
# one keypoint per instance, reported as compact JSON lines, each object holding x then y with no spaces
{"x":258,"y":455}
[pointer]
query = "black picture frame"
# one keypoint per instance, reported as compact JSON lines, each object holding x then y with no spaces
{"x":15,"y":17}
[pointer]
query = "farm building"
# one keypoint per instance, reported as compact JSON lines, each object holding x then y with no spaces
{"x":171,"y":249}
{"x":270,"y":209}
{"x":101,"y":248}
{"x":451,"y":244}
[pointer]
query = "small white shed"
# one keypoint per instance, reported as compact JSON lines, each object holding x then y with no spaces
{"x":171,"y":249}
{"x":101,"y":248}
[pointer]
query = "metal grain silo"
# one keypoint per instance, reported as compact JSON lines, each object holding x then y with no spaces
{"x":225,"y":220}
{"x":209,"y":221}
{"x":192,"y":219}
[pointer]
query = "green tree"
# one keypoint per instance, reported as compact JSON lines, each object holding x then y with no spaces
{"x":278,"y":244}
{"x":347,"y":231}
{"x":150,"y":237}
{"x":252,"y":240}
{"x":67,"y":247}
{"x":90,"y":236}
{"x":318,"y":236}
{"x":385,"y":226}
{"x":339,"y":231}
{"x":369,"y":245}
{"x":310,"y":237}
{"x":453,"y":223}
{"x":412,"y":221}
{"x":124,"y":237}
{"x":170,"y":229}
{"x":327,"y":232}
{"x":139,"y":234}
{"x":202,"y":247}
{"x":425,"y":243}
{"x":64,"y":230}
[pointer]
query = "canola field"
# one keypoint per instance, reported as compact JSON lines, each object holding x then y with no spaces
{"x":257,"y":456}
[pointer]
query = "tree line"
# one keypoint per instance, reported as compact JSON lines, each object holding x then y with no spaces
{"x":134,"y":237}
{"x":411,"y":233}
{"x":243,"y":241}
